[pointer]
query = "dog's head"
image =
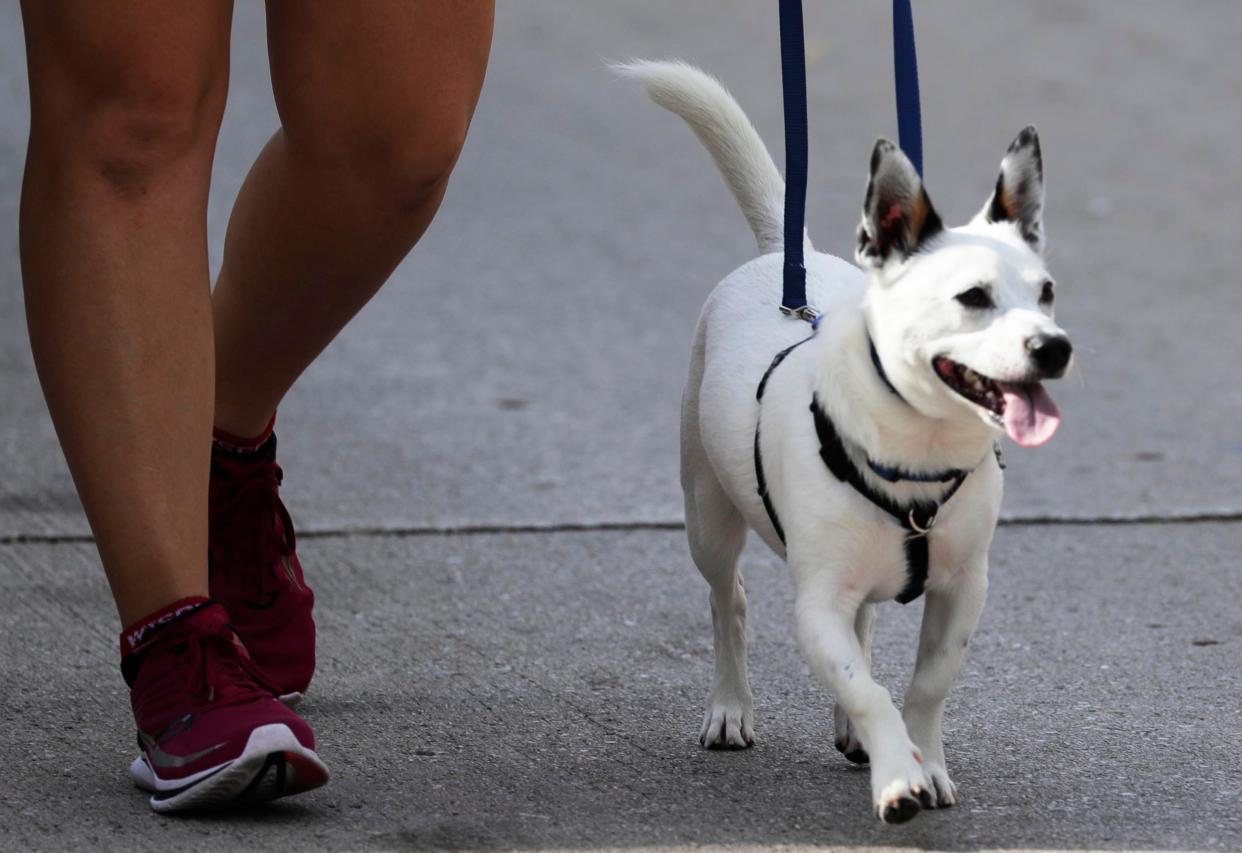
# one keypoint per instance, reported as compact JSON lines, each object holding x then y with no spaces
{"x":962,"y":318}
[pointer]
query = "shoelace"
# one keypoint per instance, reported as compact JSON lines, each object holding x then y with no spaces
{"x":256,"y":494}
{"x":222,"y":646}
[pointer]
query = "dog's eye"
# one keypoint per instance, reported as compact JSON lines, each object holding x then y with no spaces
{"x":1046,"y":294}
{"x":976,"y":297}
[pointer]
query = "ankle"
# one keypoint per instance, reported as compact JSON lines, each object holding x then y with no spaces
{"x":158,"y":590}
{"x":244,"y":443}
{"x":138,"y":634}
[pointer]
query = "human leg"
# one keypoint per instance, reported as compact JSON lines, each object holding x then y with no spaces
{"x":374,"y":105}
{"x":126,"y":100}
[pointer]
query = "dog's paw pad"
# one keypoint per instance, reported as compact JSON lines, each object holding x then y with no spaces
{"x":900,"y":810}
{"x":908,"y":791}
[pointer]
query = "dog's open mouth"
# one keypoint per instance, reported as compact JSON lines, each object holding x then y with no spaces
{"x":1023,"y":409}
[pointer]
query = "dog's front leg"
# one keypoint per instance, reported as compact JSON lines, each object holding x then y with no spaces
{"x":949,"y":619}
{"x":825,"y":617}
{"x":847,"y":741}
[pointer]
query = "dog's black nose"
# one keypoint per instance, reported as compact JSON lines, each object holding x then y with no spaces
{"x":1051,"y":353}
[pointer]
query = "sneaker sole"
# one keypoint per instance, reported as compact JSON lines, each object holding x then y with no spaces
{"x":273,"y":764}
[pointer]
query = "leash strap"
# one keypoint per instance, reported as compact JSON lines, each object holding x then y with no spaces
{"x":916,"y":519}
{"x":906,"y":77}
{"x":793,"y":83}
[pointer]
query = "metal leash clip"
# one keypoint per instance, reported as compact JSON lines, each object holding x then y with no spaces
{"x":807,"y":312}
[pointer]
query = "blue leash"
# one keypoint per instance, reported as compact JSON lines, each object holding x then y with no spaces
{"x":906,"y":77}
{"x":793,"y":82}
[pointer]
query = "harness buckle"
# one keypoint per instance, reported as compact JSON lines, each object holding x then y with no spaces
{"x":917,"y":531}
{"x":807,"y":312}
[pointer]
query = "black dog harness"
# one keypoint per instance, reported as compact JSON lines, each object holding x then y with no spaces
{"x":916,"y":518}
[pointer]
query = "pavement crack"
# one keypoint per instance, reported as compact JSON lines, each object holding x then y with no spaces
{"x":670,"y":524}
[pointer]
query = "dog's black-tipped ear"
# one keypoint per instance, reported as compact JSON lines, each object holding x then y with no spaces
{"x":898,"y":217}
{"x":1019,"y":193}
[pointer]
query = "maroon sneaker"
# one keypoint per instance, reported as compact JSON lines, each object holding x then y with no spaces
{"x":254,"y":568}
{"x":210,"y":730}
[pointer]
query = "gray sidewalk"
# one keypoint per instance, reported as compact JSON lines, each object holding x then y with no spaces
{"x":514,"y":644}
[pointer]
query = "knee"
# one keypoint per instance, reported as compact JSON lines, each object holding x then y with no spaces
{"x":136,"y":127}
{"x":412,"y":171}
{"x":395,"y":170}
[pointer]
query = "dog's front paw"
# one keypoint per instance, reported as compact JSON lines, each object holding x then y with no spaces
{"x":728,"y":725}
{"x":944,"y":792}
{"x":901,"y":787}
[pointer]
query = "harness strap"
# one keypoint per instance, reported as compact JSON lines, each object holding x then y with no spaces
{"x":917,"y":518}
{"x":918,"y":562}
{"x":762,"y":483}
{"x":780,"y":356}
{"x":760,"y":479}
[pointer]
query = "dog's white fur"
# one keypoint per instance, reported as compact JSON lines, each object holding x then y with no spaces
{"x":845,"y":553}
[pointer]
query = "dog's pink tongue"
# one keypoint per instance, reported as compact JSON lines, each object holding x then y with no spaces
{"x":1031,"y":417}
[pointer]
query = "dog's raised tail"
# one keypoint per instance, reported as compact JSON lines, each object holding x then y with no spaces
{"x":728,"y":135}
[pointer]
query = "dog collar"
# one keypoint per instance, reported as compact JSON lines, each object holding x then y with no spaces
{"x":895,"y":473}
{"x":879,"y":368}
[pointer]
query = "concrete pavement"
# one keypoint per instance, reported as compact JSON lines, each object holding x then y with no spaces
{"x":544,"y":690}
{"x":522,"y":370}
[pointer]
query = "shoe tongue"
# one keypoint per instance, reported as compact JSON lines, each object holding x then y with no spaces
{"x":231,"y":675}
{"x":1031,"y":417}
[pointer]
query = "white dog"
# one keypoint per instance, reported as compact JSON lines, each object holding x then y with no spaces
{"x":845,"y":449}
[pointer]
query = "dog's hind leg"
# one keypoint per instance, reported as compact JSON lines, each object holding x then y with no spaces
{"x":717,"y":534}
{"x":949,"y":620}
{"x":847,"y":740}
